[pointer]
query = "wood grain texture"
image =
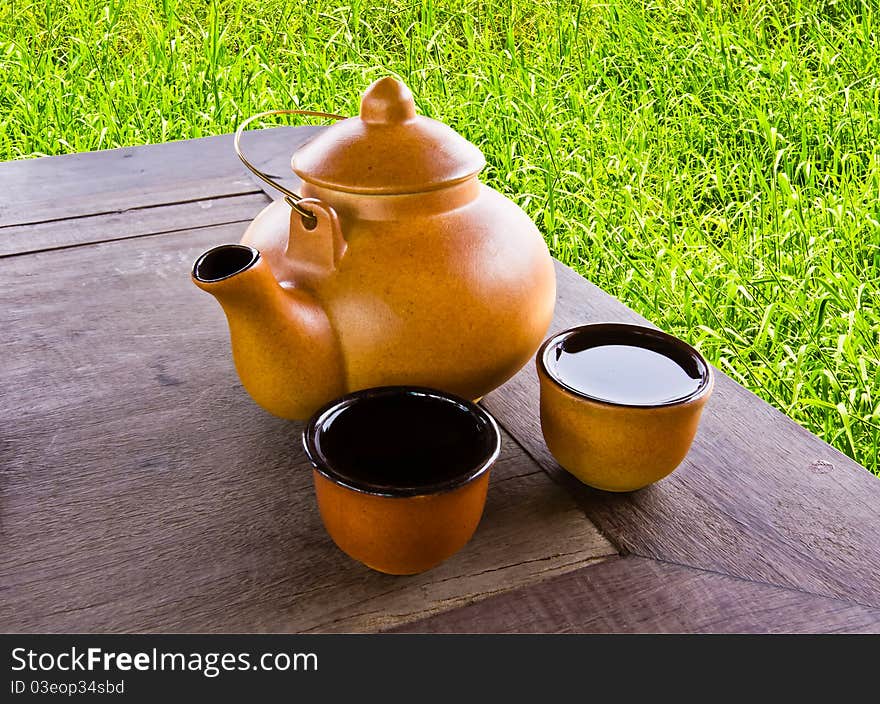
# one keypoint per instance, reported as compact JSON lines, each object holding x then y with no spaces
{"x":142,"y":490}
{"x":114,"y":180}
{"x":637,"y":595}
{"x":135,"y":222}
{"x":758,"y":497}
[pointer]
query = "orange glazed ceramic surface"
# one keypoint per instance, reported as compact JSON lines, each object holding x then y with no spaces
{"x":261,"y":315}
{"x":614,"y":446}
{"x":400,"y":535}
{"x":424,"y":275}
{"x":401,"y":474}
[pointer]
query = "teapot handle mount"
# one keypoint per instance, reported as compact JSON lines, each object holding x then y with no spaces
{"x":291,"y":198}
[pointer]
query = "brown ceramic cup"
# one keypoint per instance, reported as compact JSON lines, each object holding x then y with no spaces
{"x":613,"y":445}
{"x":401,"y":474}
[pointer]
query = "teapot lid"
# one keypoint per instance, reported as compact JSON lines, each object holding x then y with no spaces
{"x":387,"y":149}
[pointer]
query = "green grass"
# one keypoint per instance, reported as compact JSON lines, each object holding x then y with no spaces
{"x":715,"y":165}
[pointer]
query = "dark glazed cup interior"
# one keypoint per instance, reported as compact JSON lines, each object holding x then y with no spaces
{"x":401,"y":441}
{"x":584,"y":337}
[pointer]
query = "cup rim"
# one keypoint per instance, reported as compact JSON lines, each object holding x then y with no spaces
{"x":312,"y":431}
{"x":629,"y":330}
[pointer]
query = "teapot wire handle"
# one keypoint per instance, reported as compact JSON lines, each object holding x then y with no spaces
{"x":291,"y":198}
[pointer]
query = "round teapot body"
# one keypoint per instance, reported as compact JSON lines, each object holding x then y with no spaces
{"x":452,"y":288}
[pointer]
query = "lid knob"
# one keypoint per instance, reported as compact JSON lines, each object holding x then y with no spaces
{"x":387,"y":100}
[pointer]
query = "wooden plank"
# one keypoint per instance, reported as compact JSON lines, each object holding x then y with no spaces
{"x":92,"y":183}
{"x":137,"y":222}
{"x":638,"y":595}
{"x":142,"y":490}
{"x":758,"y":496}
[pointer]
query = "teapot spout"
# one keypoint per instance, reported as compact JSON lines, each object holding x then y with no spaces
{"x":285,"y":349}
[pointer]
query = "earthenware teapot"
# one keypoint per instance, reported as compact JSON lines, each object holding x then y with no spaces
{"x":395,"y":266}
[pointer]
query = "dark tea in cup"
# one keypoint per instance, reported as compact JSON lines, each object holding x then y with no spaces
{"x":618,"y":366}
{"x":620,"y":404}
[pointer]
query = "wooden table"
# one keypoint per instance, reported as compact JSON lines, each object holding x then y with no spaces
{"x":142,"y":490}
